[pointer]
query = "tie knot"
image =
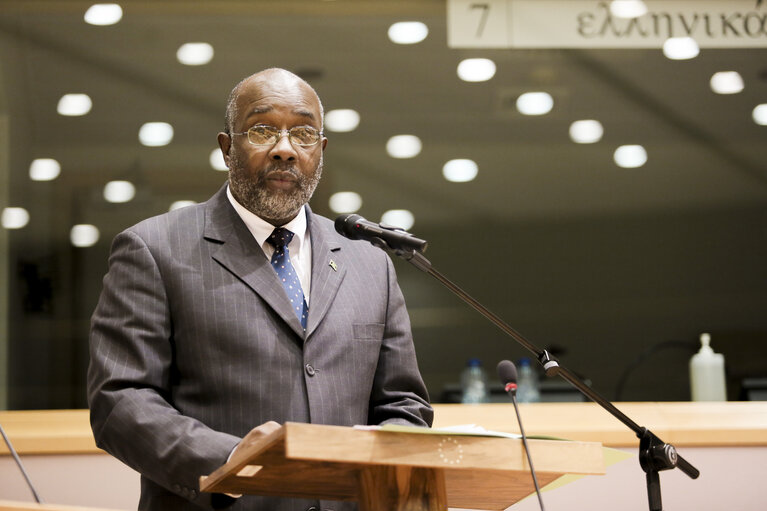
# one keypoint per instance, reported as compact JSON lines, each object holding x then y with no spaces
{"x":280,"y":238}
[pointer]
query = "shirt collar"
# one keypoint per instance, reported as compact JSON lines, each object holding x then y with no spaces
{"x":261,"y":229}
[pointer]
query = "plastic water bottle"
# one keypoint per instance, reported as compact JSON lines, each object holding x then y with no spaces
{"x":707,"y":381}
{"x":474,"y":383}
{"x":527,"y":383}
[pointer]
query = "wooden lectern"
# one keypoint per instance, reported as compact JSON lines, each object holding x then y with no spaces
{"x":385,"y":470}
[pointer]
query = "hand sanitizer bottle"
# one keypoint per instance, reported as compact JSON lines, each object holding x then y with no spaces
{"x":707,"y":381}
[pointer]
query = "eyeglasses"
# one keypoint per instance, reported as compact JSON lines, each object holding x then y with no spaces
{"x":269,"y":135}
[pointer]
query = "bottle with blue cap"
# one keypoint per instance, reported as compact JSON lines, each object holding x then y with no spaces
{"x":528,"y":390}
{"x":474,"y":383}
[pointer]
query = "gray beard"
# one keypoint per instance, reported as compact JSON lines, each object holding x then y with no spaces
{"x":254,"y":195}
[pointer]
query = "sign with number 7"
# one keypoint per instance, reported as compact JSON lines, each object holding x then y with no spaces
{"x":477,"y":24}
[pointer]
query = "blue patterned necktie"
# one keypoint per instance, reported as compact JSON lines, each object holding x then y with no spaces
{"x":279,"y":239}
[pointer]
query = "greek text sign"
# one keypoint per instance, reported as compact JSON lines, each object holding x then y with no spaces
{"x":590,"y":24}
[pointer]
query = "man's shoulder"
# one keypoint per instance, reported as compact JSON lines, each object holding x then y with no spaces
{"x":188,"y":219}
{"x":323,"y":222}
{"x":185,"y":218}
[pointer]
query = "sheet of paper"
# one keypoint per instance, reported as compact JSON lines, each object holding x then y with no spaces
{"x":461,"y":429}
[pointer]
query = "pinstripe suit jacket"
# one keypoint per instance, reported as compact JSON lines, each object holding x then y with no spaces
{"x":194,"y":342}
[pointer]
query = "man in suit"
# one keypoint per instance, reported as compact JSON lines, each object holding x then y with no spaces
{"x":208,"y":326}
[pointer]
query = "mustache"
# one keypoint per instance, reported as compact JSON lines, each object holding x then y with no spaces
{"x":280,"y":170}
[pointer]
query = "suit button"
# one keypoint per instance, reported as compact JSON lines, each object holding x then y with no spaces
{"x":310,"y":370}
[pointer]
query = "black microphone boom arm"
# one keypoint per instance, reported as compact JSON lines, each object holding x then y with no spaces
{"x":654,"y":454}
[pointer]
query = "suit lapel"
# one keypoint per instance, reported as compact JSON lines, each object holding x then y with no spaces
{"x":239,"y":252}
{"x":328,"y":271}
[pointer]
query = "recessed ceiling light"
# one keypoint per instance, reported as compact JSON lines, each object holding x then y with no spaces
{"x":630,"y":156}
{"x":44,"y":169}
{"x":586,"y":131}
{"x":476,"y":70}
{"x":535,"y":103}
{"x":408,"y":32}
{"x":401,"y":218}
{"x":680,"y":48}
{"x":74,"y":104}
{"x":460,"y":170}
{"x":403,"y":146}
{"x":195,"y":54}
{"x":628,"y":8}
{"x":345,"y":202}
{"x":84,"y":235}
{"x":181,"y":204}
{"x":103,"y":14}
{"x":217,"y":160}
{"x":14,"y":218}
{"x":342,"y":120}
{"x":760,"y":114}
{"x":155,"y":134}
{"x":119,"y":191}
{"x":727,"y":82}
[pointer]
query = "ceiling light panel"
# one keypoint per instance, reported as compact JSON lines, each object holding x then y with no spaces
{"x":345,"y":202}
{"x":586,"y":131}
{"x":628,"y":8}
{"x":216,"y":160}
{"x":535,"y":103}
{"x":14,"y":218}
{"x":727,"y":82}
{"x":84,"y":235}
{"x":44,"y":169}
{"x":119,"y":191}
{"x":195,"y":54}
{"x":476,"y":70}
{"x":630,"y":156}
{"x":408,"y":32}
{"x":759,"y":114}
{"x":155,"y":134}
{"x":342,"y":120}
{"x":460,"y":170}
{"x":401,"y":218}
{"x":403,"y":146}
{"x":680,"y":48}
{"x":74,"y":104}
{"x":103,"y":14}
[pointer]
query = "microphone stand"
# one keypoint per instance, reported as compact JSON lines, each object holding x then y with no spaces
{"x":654,"y":454}
{"x":20,"y":465}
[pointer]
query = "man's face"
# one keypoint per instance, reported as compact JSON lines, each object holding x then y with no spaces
{"x":274,"y":181}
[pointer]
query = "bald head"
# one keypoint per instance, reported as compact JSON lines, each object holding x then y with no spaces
{"x":267,"y":80}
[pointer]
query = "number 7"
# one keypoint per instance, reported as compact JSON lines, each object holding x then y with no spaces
{"x":483,"y":17}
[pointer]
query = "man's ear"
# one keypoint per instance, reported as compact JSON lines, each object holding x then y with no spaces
{"x":324,"y":143}
{"x":225,"y":143}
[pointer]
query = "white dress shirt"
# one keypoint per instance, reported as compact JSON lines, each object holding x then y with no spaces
{"x":300,"y":247}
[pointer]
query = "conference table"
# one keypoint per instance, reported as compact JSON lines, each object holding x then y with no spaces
{"x":726,"y":441}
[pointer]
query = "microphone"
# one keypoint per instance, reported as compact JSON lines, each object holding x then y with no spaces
{"x":507,"y":372}
{"x":383,"y":236}
{"x":20,"y":465}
